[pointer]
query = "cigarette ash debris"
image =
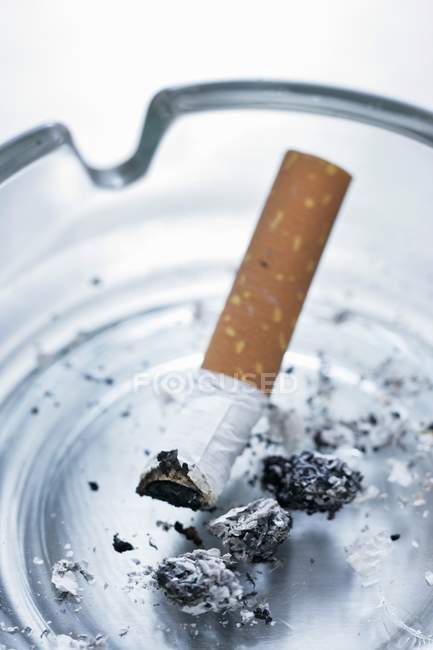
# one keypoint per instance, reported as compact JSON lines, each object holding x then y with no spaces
{"x":65,"y":577}
{"x":311,"y":482}
{"x":121,"y":545}
{"x":8,"y":629}
{"x":389,"y":423}
{"x":190,"y":532}
{"x":263,"y":613}
{"x":201,"y":581}
{"x":66,"y":642}
{"x":367,"y":554}
{"x":368,"y":433}
{"x":253,"y":532}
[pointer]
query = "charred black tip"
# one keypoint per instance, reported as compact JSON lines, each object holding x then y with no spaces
{"x":181,"y":496}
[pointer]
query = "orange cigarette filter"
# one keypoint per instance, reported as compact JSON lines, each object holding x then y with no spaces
{"x":261,"y":312}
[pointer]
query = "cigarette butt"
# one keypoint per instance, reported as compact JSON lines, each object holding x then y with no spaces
{"x":203,"y":439}
{"x":262,"y":309}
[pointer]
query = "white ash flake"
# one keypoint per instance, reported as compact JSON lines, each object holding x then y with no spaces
{"x":400,"y":472}
{"x":9,"y":629}
{"x":65,"y":575}
{"x":367,"y":554}
{"x":66,"y":642}
{"x":37,"y":560}
{"x":428,"y":577}
{"x":247,"y":617}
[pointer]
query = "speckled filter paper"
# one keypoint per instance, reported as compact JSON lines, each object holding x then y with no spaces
{"x":266,"y":299}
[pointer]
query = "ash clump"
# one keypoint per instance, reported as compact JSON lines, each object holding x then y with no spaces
{"x":200,"y":582}
{"x":65,"y":574}
{"x":253,"y":532}
{"x":311,"y":482}
{"x":263,"y":613}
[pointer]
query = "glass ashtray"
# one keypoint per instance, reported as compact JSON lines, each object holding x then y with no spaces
{"x":104,"y":282}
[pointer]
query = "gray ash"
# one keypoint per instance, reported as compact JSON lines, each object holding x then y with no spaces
{"x":369,"y":433}
{"x":121,"y":545}
{"x":200,"y":582}
{"x":65,"y":574}
{"x":311,"y":482}
{"x":253,"y":532}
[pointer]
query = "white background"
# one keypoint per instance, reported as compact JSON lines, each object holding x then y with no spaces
{"x":95,"y":64}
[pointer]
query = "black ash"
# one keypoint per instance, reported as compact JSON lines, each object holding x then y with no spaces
{"x":169,"y":462}
{"x":93,"y":485}
{"x":190,"y":532}
{"x":121,"y":545}
{"x":170,"y":482}
{"x":263,"y":613}
{"x":253,"y":532}
{"x":311,"y":482}
{"x":200,"y":582}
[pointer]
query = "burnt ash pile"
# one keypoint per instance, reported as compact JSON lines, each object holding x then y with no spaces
{"x":200,"y":582}
{"x":311,"y":482}
{"x":253,"y":532}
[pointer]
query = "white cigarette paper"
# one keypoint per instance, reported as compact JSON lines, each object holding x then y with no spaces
{"x":209,"y":431}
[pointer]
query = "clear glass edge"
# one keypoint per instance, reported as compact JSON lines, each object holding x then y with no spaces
{"x":169,"y":104}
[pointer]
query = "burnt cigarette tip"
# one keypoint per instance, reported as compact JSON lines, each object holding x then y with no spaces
{"x":181,"y":496}
{"x":169,"y":481}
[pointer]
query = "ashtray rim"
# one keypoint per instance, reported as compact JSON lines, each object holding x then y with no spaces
{"x":170,"y":103}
